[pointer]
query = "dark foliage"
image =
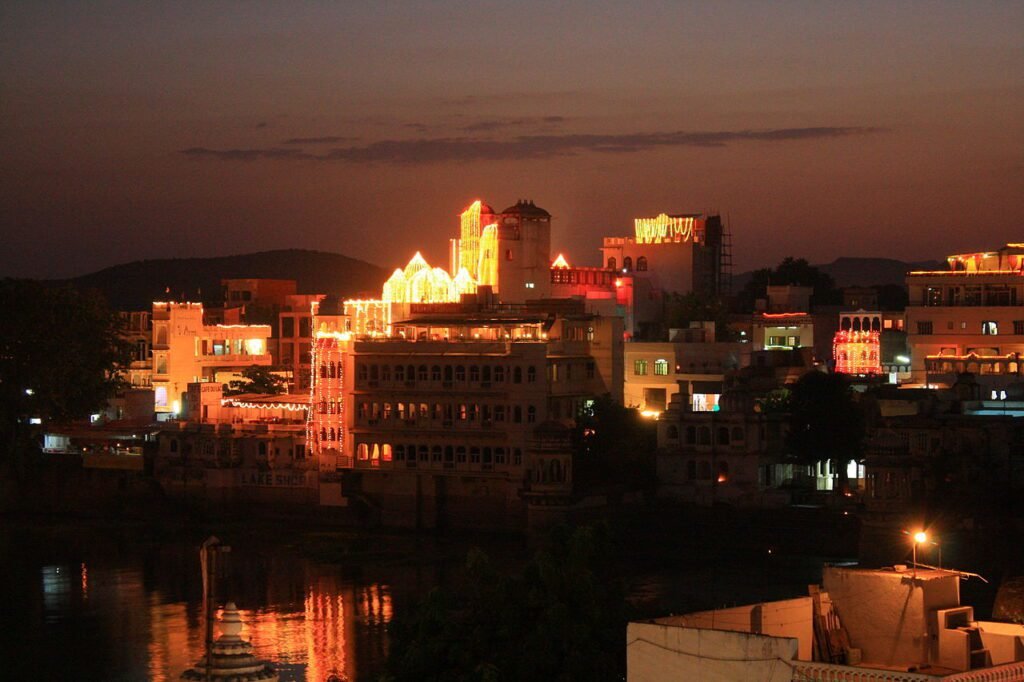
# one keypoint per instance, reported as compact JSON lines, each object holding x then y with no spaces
{"x":614,"y":444}
{"x":795,"y":271}
{"x":826,"y":422}
{"x":256,"y":379}
{"x":58,"y":353}
{"x":563,"y":618}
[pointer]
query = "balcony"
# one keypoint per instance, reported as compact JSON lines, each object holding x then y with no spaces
{"x":234,"y":360}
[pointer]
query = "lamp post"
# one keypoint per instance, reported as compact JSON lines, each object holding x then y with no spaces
{"x":919,"y":537}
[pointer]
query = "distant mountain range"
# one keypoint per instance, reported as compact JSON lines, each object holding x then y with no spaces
{"x":852,"y":272}
{"x":135,"y":285}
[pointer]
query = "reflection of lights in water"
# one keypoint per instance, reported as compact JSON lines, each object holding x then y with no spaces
{"x":85,"y":582}
{"x":56,"y":591}
{"x":310,"y":640}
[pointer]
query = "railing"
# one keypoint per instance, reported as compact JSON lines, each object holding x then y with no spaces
{"x":833,"y":672}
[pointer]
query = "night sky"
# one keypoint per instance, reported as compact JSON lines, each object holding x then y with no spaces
{"x":141,"y":130}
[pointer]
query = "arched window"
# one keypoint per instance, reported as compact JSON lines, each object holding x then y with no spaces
{"x":672,"y":432}
{"x":435,"y":373}
{"x":485,"y":374}
{"x":641,"y":263}
{"x":422,"y":374}
{"x":332,"y":371}
{"x":499,"y":374}
{"x":723,"y":435}
{"x":174,"y":445}
{"x":323,"y":371}
{"x":399,"y":373}
{"x":460,"y":373}
{"x":531,"y":414}
{"x":531,"y":374}
{"x":627,"y":263}
{"x":376,"y":452}
{"x":435,"y":453}
{"x":856,"y":324}
{"x":474,"y":373}
{"x":362,"y":451}
{"x":691,"y":435}
{"x":410,"y":373}
{"x":723,"y":472}
{"x":447,"y":372}
{"x":612,"y":264}
{"x":385,"y":452}
{"x":331,"y":435}
{"x":845,"y":324}
{"x":323,"y":435}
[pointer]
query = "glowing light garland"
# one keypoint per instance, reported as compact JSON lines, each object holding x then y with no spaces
{"x":664,"y":228}
{"x":327,"y":351}
{"x":469,"y":246}
{"x":857,"y":352}
{"x":560,"y":263}
{"x":291,"y":407}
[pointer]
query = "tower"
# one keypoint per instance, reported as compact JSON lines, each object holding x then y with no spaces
{"x":524,"y":253}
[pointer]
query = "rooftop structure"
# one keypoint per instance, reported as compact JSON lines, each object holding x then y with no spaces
{"x":969,"y":318}
{"x":889,"y":625}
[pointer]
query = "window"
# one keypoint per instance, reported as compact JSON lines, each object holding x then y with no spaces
{"x":460,"y":454}
{"x":531,"y":375}
{"x":641,"y":263}
{"x":517,"y":457}
{"x":474,"y":373}
{"x":661,"y":367}
{"x":460,"y":373}
{"x":924,"y":328}
{"x":499,"y":374}
{"x":672,"y":432}
{"x":989,"y":328}
{"x":691,"y":435}
{"x":704,"y":435}
{"x":361,"y":372}
{"x":362,"y":451}
{"x":612,"y":264}
{"x":933,"y":296}
{"x":435,"y":373}
{"x":1018,"y":327}
{"x":385,"y":452}
{"x":590,"y":369}
{"x":287,"y":327}
{"x":399,"y":373}
{"x":421,"y":375}
{"x":517,"y":375}
{"x":531,"y":414}
{"x":627,"y":264}
{"x":640,"y":367}
{"x":691,"y":470}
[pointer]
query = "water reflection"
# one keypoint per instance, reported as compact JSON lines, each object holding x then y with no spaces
{"x":138,"y":615}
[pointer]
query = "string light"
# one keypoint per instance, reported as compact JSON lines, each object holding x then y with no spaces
{"x":857,"y":352}
{"x":664,"y":228}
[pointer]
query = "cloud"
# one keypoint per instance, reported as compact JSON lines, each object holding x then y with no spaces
{"x":330,"y":139}
{"x":498,"y":123}
{"x":433,"y":150}
{"x":246,"y":154}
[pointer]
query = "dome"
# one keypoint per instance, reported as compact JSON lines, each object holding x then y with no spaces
{"x":526,"y":209}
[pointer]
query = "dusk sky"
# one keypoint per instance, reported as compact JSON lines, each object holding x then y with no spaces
{"x":141,"y":130}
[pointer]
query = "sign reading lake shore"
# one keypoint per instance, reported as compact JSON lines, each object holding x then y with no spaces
{"x":278,"y":479}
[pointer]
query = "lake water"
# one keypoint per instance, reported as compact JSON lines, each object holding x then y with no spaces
{"x":87,"y":602}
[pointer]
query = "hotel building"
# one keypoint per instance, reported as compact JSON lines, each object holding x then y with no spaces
{"x":969,"y":318}
{"x":186,"y":350}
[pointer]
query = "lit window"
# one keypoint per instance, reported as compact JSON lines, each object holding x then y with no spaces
{"x":661,"y":367}
{"x":640,"y":367}
{"x":989,"y":327}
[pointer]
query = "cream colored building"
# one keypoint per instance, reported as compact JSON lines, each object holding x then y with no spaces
{"x":969,"y":318}
{"x":863,"y":625}
{"x":186,"y":350}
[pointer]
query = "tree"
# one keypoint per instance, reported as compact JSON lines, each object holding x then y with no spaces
{"x":825,"y":423}
{"x":614,"y":444}
{"x":562,"y":618}
{"x":257,"y":379}
{"x":793,"y":271}
{"x":59,"y":350}
{"x":682,"y":309}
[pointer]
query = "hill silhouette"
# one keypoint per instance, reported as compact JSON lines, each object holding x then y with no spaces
{"x":849,"y":271}
{"x":135,"y":285}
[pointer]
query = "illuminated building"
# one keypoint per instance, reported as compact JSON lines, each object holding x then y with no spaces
{"x":969,"y":318}
{"x":680,"y":253}
{"x":460,"y":410}
{"x":691,"y":362}
{"x":186,"y":350}
{"x":858,"y":352}
{"x":137,"y":331}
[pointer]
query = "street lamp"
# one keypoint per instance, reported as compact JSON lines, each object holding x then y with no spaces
{"x":919,"y":537}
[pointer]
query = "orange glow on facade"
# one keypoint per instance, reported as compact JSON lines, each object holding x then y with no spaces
{"x":857,"y":352}
{"x":469,"y":244}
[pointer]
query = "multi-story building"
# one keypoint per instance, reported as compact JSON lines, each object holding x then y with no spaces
{"x":295,"y":337}
{"x":137,"y":331}
{"x":463,"y":413}
{"x":186,"y":350}
{"x":969,"y":318}
{"x":691,"y":362}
